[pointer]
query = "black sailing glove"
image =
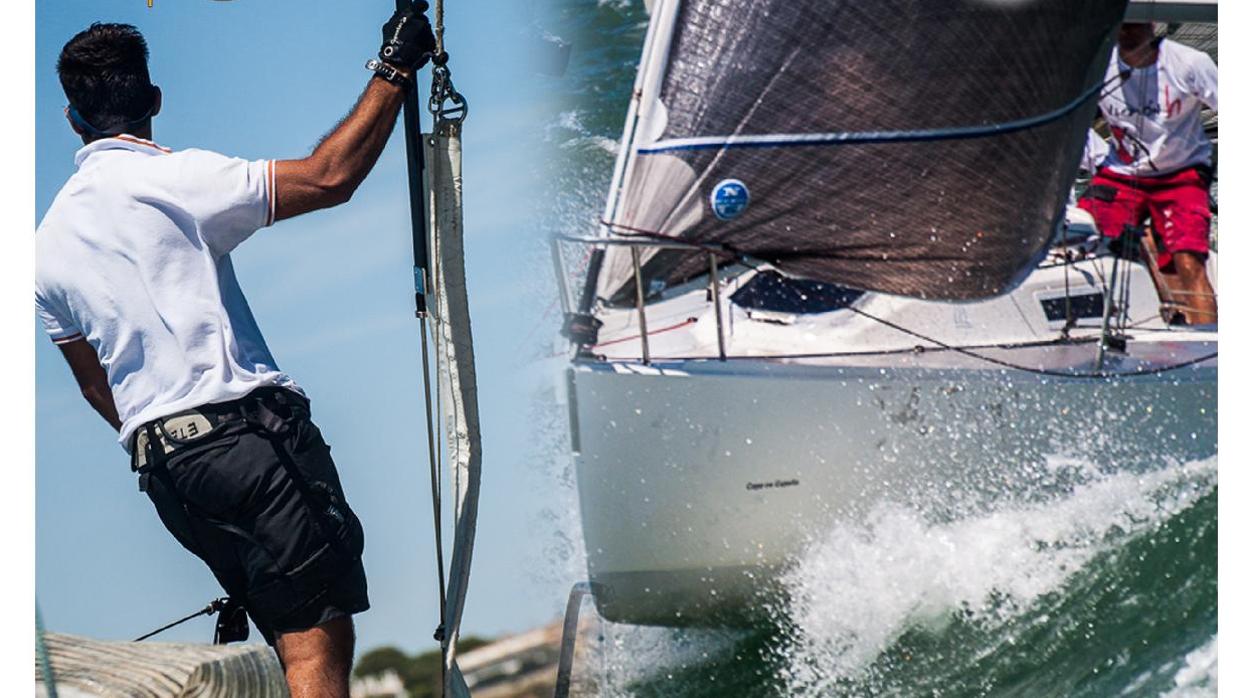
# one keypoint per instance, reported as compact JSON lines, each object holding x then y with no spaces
{"x":406,"y":39}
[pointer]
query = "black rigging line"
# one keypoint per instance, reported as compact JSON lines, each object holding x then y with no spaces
{"x":419,"y":242}
{"x":207,"y":610}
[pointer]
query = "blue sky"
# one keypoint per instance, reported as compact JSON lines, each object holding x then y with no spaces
{"x":332,"y":292}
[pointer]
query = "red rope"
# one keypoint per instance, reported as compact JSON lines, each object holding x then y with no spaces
{"x":685,"y":323}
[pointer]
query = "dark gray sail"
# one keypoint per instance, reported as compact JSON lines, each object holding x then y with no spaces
{"x":916,"y":147}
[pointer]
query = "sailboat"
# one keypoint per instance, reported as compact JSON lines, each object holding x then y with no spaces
{"x":836,"y":267}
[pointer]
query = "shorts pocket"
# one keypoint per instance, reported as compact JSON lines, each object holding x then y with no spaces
{"x":225,"y":476}
{"x":312,"y":458}
{"x":1101,"y":192}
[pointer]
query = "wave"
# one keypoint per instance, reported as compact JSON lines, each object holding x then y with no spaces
{"x":971,"y":593}
{"x":1199,"y":674}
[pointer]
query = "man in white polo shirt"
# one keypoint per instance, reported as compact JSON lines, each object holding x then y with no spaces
{"x":134,"y":284}
{"x":1159,"y":162}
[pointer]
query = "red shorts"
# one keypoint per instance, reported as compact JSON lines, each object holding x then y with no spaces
{"x":1178,"y":205}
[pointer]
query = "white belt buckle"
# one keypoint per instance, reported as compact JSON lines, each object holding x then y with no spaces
{"x":183,"y":427}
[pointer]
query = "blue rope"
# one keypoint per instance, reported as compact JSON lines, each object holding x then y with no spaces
{"x":870,"y":137}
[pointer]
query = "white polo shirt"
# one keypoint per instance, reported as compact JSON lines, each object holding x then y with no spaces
{"x":133,"y":256}
{"x":1155,"y":116}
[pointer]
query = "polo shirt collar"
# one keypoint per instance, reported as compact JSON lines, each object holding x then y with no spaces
{"x":122,"y":142}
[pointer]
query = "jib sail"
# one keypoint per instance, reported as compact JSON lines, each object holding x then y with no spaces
{"x":916,"y":147}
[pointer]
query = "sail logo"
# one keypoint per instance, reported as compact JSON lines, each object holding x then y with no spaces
{"x":729,"y":199}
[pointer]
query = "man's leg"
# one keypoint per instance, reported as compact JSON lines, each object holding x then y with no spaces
{"x":1181,"y":214}
{"x":253,"y":481}
{"x":1113,"y":204}
{"x":1198,"y":294}
{"x":317,"y":661}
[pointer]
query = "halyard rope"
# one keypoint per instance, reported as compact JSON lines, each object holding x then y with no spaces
{"x":439,"y":13}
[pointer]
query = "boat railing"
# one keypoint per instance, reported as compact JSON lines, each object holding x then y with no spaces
{"x":711,"y":250}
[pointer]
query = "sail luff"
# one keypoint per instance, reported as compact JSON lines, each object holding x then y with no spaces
{"x":656,"y":38}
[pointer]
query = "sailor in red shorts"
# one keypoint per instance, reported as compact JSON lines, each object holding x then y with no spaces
{"x":1159,"y":164}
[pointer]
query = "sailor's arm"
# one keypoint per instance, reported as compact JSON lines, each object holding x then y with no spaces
{"x":332,"y":173}
{"x":92,"y":379}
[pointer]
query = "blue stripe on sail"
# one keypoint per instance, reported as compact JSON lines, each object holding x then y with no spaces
{"x":789,"y":140}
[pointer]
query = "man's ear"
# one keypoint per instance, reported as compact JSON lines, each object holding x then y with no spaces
{"x":158,"y":101}
{"x":72,"y":125}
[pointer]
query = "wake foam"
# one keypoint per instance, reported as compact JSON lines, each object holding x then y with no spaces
{"x":1200,"y":674}
{"x":861,"y":587}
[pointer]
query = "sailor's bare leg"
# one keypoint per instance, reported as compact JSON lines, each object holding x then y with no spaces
{"x":317,"y":661}
{"x":1199,"y":296}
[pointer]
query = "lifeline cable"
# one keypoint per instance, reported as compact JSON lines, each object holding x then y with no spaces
{"x":750,"y":262}
{"x":744,"y":259}
{"x":940,"y":346}
{"x":1029,"y":369}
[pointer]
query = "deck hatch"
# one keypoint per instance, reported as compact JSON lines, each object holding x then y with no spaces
{"x":1087,"y":305}
{"x":780,"y":294}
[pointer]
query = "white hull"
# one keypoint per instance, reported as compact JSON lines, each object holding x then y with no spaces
{"x":699,"y":480}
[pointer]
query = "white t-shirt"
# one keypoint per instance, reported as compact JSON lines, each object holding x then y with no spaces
{"x":133,"y":256}
{"x":1154,"y":116}
{"x":1094,"y":152}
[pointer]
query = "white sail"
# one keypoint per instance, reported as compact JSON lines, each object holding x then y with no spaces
{"x":456,"y":374}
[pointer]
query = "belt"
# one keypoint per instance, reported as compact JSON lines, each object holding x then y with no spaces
{"x":176,"y":430}
{"x":191,"y":426}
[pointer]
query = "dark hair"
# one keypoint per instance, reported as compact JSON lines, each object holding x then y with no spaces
{"x":103,"y":71}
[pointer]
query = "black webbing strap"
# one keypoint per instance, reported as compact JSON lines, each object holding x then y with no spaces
{"x":274,"y":428}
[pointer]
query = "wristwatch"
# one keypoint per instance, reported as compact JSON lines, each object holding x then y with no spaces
{"x":389,"y":73}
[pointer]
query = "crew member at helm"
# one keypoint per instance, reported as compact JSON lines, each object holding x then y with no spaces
{"x":134,"y":283}
{"x":1159,"y":164}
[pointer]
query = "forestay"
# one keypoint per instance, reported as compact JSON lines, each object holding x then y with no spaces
{"x":915,"y":147}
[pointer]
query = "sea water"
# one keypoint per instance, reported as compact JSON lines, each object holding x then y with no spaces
{"x":1108,"y":589}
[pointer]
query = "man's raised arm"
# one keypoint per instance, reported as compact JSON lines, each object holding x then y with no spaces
{"x":332,"y":173}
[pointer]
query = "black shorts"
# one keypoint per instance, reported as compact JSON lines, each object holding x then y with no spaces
{"x":264,"y":508}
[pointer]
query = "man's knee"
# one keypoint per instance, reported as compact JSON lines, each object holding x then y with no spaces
{"x":1190,"y":266}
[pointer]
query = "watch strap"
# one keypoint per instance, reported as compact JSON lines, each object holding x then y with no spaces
{"x":388,"y":72}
